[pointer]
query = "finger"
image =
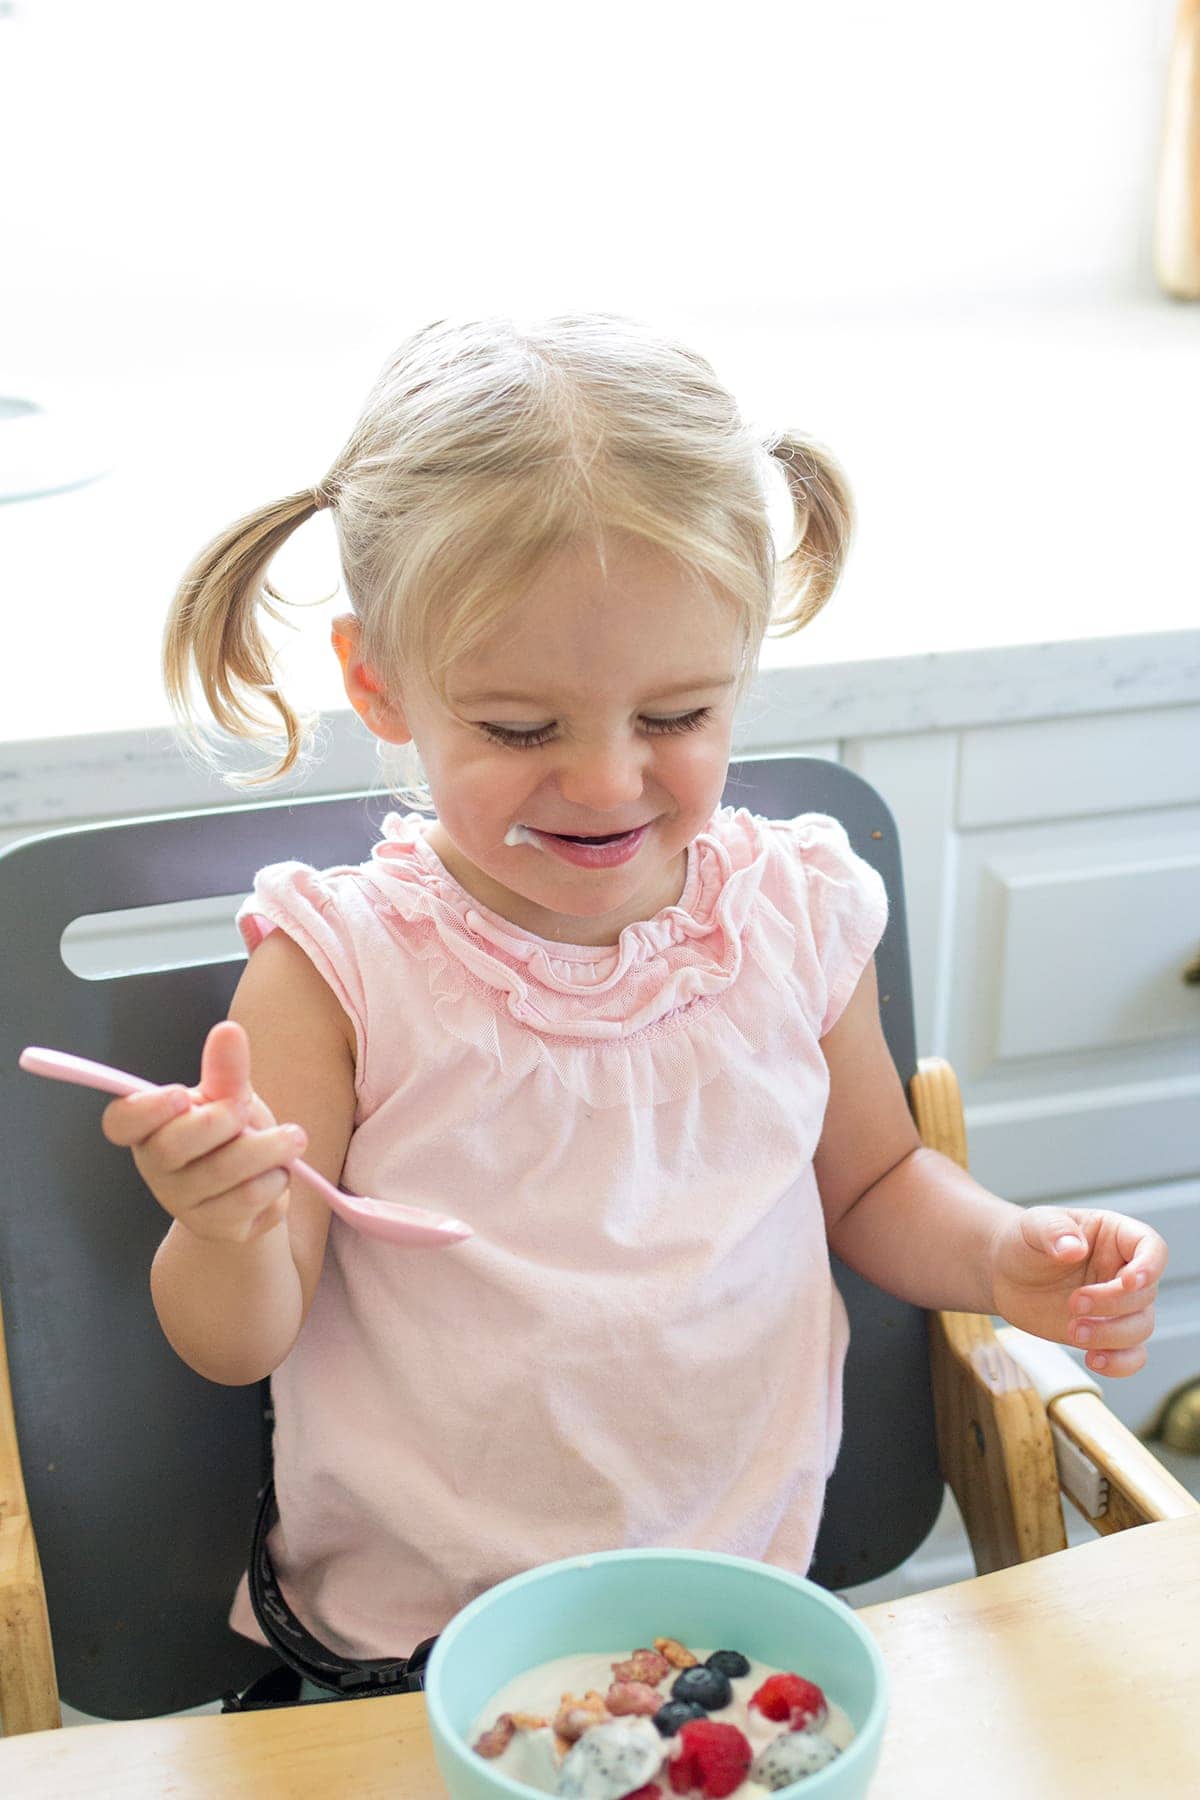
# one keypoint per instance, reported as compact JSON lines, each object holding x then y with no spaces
{"x":1054,"y":1233}
{"x":238,"y":1163}
{"x":246,"y":1211}
{"x":225,"y":1063}
{"x":194,"y":1135}
{"x":1131,"y":1255}
{"x":1116,"y":1362}
{"x":1145,"y":1260}
{"x":1112,"y":1301}
{"x":1145,"y":1254}
{"x":132,"y":1120}
{"x":1114,"y":1334}
{"x":273,"y":1214}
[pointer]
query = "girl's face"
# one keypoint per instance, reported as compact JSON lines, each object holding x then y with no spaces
{"x":603,"y":708}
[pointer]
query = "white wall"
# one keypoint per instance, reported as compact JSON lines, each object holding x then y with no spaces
{"x":350,"y":155}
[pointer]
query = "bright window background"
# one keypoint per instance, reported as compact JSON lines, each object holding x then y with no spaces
{"x":398,"y":160}
{"x":217,"y":219}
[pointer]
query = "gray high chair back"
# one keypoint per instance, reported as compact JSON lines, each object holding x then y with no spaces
{"x":142,"y":1478}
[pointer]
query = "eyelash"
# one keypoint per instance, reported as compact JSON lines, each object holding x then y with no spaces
{"x":529,"y":740}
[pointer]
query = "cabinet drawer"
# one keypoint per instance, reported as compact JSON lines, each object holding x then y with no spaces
{"x":1073,"y":1033}
{"x":1066,"y":768}
{"x":1091,"y":950}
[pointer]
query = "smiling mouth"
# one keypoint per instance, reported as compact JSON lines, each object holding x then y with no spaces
{"x":570,"y":837}
{"x":608,"y":837}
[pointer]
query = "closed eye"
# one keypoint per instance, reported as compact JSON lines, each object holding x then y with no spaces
{"x":541,"y":734}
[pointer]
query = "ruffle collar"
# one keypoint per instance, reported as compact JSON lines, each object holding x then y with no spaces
{"x":691,"y":949}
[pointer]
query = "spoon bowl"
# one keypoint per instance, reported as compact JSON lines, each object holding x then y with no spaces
{"x":387,"y":1220}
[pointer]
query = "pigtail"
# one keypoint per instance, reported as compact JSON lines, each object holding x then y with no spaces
{"x":824,"y":513}
{"x":213,"y":634}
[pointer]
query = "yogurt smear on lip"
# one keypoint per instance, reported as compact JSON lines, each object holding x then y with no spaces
{"x":521,"y":834}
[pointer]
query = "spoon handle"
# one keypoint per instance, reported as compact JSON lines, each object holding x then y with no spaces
{"x":59,"y":1065}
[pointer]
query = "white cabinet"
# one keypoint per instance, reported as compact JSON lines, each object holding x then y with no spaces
{"x":1053,"y":881}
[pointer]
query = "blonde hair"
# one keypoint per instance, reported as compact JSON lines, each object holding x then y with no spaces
{"x":483,"y":448}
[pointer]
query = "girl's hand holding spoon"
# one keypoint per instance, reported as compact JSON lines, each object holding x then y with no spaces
{"x":214,"y":1157}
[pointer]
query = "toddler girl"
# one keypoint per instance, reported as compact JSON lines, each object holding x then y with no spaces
{"x":631,"y":1035}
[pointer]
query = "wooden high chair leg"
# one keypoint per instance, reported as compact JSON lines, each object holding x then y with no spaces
{"x":28,"y":1689}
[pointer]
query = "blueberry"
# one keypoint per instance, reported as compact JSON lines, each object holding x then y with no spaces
{"x":729,"y":1662}
{"x":709,"y":1688}
{"x":675,"y":1713}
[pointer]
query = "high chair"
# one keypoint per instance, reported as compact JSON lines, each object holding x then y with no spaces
{"x":140,"y":1478}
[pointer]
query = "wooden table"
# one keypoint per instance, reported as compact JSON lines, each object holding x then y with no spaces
{"x":1076,"y":1676}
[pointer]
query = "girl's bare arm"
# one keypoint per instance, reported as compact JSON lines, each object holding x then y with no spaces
{"x":906,"y":1217}
{"x":236,"y":1273}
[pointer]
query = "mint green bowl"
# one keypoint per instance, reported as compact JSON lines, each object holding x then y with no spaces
{"x":619,"y":1599}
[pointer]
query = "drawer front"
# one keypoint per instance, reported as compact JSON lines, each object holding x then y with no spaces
{"x":1091,"y":951}
{"x":1068,"y":768}
{"x":1073,"y":1032}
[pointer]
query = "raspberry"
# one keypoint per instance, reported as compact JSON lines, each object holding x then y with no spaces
{"x":651,"y":1791}
{"x":714,"y":1758}
{"x":792,"y":1698}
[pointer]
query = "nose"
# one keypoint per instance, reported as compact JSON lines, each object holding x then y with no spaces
{"x":603,"y":777}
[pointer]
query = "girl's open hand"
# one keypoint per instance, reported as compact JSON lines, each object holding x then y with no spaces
{"x":212,"y":1156}
{"x":1080,"y":1277}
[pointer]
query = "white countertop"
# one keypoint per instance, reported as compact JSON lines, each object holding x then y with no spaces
{"x":1026,"y":485}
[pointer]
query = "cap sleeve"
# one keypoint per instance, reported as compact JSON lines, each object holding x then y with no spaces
{"x":846,"y":906}
{"x":306,"y":904}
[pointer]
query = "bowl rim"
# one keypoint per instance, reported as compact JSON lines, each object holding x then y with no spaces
{"x":865,"y":1739}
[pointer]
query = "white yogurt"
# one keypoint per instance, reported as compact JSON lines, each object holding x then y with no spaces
{"x":521,"y":834}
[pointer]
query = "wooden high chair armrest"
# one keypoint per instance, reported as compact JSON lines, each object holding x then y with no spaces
{"x":1140,"y":1489}
{"x":1108,"y":1473}
{"x":28,"y":1688}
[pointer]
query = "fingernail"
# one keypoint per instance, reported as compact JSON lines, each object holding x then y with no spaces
{"x":1098,"y":1361}
{"x":1070,"y":1243}
{"x":297,"y":1136}
{"x":1083,"y":1334}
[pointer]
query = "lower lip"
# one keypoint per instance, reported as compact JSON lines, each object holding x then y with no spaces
{"x":594,"y":856}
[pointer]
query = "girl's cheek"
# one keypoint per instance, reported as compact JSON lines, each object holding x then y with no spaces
{"x":485,"y":786}
{"x":697,"y":768}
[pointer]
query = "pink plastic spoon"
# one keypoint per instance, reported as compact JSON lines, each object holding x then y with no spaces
{"x":386,"y":1219}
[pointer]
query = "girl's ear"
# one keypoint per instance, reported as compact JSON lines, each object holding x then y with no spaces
{"x":364,"y":690}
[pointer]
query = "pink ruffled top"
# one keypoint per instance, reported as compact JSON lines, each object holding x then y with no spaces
{"x":642,"y":1343}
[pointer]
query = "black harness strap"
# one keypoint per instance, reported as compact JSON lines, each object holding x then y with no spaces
{"x":297,"y":1646}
